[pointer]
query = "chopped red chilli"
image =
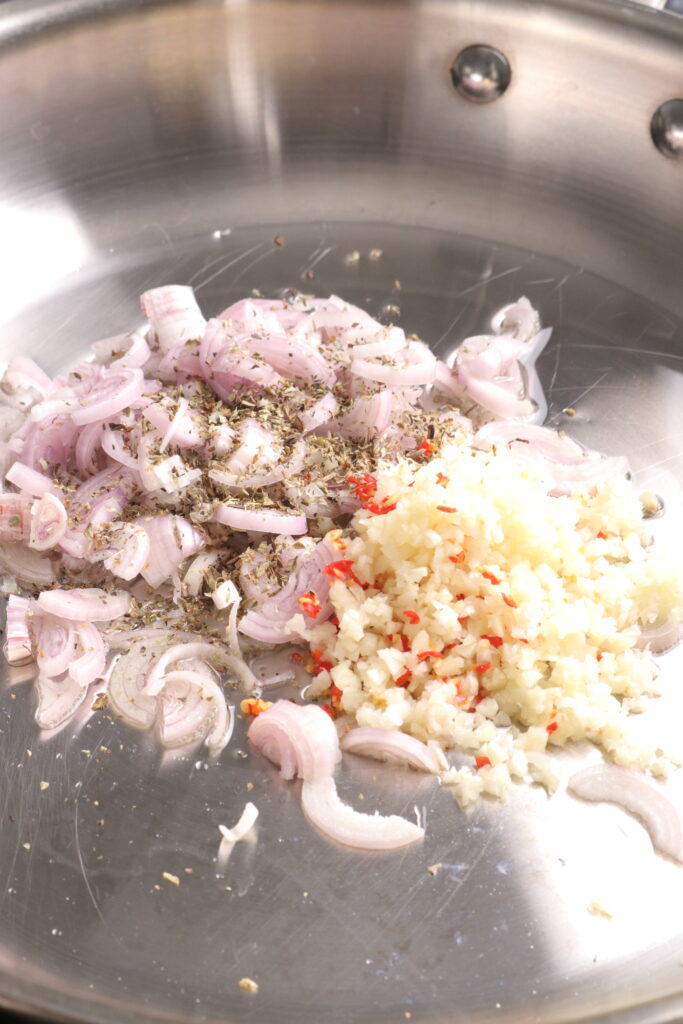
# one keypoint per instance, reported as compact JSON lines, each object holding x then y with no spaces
{"x":310,"y":604}
{"x":446,"y":508}
{"x":365,"y":487}
{"x":380,"y":508}
{"x":490,"y":576}
{"x":482,"y":762}
{"x":426,"y":446}
{"x":484,"y":667}
{"x":404,"y":678}
{"x":495,"y":641}
{"x":423,"y":655}
{"x":343,"y":572}
{"x":320,"y":662}
{"x":457,"y":559}
{"x":412,"y":616}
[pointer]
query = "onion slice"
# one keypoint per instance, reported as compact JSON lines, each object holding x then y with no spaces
{"x":209,"y":717}
{"x":210,"y":653}
{"x":291,"y":525}
{"x":18,"y":645}
{"x":246,"y":822}
{"x":173,"y":314}
{"x":661,"y":638}
{"x":633,"y":794}
{"x":300,"y":740}
{"x":126,"y":698}
{"x":117,"y":390}
{"x":335,"y":819}
{"x":56,"y":645}
{"x":90,"y":663}
{"x":391,"y":745}
{"x":87,"y":604}
{"x":58,"y":700}
{"x":48,"y":522}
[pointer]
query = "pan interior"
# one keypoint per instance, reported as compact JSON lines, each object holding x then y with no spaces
{"x":89,"y":926}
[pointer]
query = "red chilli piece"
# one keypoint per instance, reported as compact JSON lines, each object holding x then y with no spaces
{"x":551,"y":727}
{"x":412,"y":616}
{"x":495,"y":641}
{"x":365,"y":487}
{"x":335,"y":697}
{"x":491,"y":577}
{"x":320,"y":663}
{"x":441,"y":479}
{"x":423,"y":655}
{"x":446,"y":508}
{"x":602,"y":535}
{"x":343,"y":571}
{"x":310,"y":604}
{"x":426,"y":446}
{"x":482,"y":762}
{"x":509,"y":602}
{"x":405,"y":643}
{"x":404,"y":678}
{"x":484,"y":667}
{"x":330,"y":711}
{"x":380,"y":508}
{"x":457,"y":559}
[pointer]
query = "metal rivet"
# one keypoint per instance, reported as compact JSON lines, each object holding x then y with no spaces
{"x":480,"y":73}
{"x":666,"y":128}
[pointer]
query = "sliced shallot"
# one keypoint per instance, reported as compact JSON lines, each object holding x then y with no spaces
{"x":173,"y":314}
{"x":391,"y":745}
{"x":243,"y":827}
{"x":48,"y":523}
{"x":301,"y":740}
{"x":58,"y":700}
{"x":335,"y":819}
{"x":88,"y":604}
{"x":18,"y":646}
{"x":632,"y":793}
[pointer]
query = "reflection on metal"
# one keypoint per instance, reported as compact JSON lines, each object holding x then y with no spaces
{"x":666,"y":128}
{"x":40,"y":246}
{"x":481,"y":73}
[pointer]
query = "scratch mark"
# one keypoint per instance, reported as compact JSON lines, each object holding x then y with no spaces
{"x":631,"y":351}
{"x":484,"y":281}
{"x":249,"y":266}
{"x":458,"y":884}
{"x":585,"y":392}
{"x":558,"y":353}
{"x":437,"y":344}
{"x":228,"y":264}
{"x":81,"y":863}
{"x":316,"y":257}
{"x":162,"y":231}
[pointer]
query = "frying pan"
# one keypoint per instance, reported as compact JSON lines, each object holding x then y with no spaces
{"x":144,"y":143}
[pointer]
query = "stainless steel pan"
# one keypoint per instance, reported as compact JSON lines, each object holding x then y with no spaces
{"x":149,"y":142}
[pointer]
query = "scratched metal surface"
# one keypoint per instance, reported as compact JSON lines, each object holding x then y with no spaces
{"x":173,"y":143}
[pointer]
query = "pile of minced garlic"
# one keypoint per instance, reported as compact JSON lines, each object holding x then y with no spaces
{"x":495,"y":620}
